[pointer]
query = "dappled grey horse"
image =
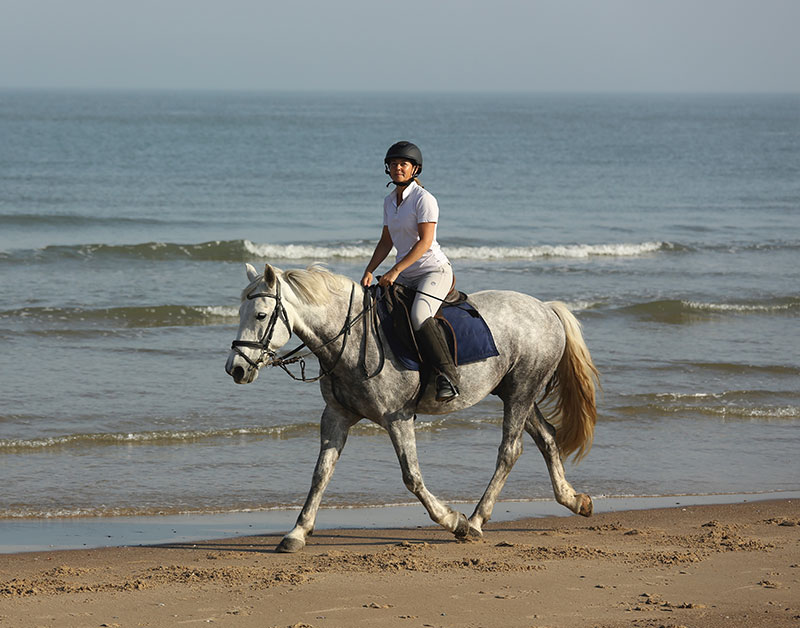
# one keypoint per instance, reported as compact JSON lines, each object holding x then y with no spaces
{"x":542,"y":354}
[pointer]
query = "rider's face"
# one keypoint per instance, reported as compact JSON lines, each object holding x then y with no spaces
{"x":401,"y":170}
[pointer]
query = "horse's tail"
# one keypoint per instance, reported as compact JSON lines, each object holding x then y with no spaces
{"x":573,"y":385}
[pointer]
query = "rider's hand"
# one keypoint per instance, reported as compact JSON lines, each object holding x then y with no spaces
{"x":388,"y":278}
{"x":366,"y":280}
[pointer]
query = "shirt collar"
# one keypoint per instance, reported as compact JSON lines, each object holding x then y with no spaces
{"x":407,"y":190}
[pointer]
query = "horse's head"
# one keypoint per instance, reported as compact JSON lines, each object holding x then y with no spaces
{"x":264,"y":326}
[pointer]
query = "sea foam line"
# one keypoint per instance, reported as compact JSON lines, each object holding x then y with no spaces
{"x":243,"y":250}
{"x":139,"y":316}
{"x":486,"y":253}
{"x":741,"y":307}
{"x":143,"y":438}
{"x":179,"y":437}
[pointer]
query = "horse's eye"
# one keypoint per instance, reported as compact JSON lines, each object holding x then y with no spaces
{"x":261,"y":316}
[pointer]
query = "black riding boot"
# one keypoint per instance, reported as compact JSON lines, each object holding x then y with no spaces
{"x":436,"y":353}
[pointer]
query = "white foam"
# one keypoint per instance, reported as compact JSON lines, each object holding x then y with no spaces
{"x":114,"y":438}
{"x":677,"y":396}
{"x":570,"y":251}
{"x":219,"y":311}
{"x":785,"y":412}
{"x":739,"y":307}
{"x":488,"y":253}
{"x":306,"y":251}
{"x":580,"y":306}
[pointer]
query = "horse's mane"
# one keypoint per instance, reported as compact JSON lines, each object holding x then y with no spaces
{"x":316,"y":283}
{"x":313,"y":285}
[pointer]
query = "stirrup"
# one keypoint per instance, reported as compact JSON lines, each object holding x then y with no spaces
{"x":445,"y":390}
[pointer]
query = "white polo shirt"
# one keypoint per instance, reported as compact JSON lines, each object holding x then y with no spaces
{"x":418,"y":206}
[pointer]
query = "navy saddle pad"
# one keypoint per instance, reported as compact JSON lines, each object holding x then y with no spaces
{"x":473,"y":339}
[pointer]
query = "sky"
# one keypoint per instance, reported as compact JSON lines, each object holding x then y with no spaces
{"x":404,"y":45}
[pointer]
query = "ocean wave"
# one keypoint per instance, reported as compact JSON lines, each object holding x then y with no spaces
{"x":187,"y":437}
{"x":35,"y":220}
{"x":308,"y":251}
{"x":364,"y":250}
{"x":81,"y":319}
{"x":581,"y":306}
{"x":719,"y":410}
{"x":160,"y":437}
{"x":745,"y":308}
{"x":730,"y":368}
{"x":246,"y":250}
{"x":745,"y":247}
{"x":728,"y":404}
{"x":569,"y":251}
{"x":683,"y":310}
{"x":142,"y":316}
{"x":32,"y":512}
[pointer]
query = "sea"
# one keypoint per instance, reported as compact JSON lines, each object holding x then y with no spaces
{"x":670,"y":225}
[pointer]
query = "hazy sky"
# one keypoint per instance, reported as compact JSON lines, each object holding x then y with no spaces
{"x":461,"y":45}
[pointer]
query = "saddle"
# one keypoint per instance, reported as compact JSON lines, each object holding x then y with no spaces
{"x":468,"y":336}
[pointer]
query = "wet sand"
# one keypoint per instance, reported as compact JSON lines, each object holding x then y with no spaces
{"x":693,"y":566}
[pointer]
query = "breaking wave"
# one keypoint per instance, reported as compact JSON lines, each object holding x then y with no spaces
{"x":142,"y":316}
{"x":186,"y":437}
{"x":730,"y":404}
{"x":683,"y":311}
{"x":245,"y":250}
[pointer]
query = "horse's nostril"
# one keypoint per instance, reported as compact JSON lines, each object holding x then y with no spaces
{"x":237,"y":373}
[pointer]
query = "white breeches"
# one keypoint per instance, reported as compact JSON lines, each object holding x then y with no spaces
{"x":432,"y":289}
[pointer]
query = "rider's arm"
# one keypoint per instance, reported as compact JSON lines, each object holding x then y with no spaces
{"x":382,"y":249}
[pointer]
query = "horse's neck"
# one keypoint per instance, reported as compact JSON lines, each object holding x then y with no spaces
{"x":320,"y":326}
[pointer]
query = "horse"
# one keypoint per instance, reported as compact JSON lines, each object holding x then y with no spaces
{"x":542,"y":356}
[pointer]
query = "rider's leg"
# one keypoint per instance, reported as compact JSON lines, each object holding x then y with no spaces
{"x":432,"y":288}
{"x":436,"y":353}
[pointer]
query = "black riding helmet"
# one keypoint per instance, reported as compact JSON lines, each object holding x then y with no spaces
{"x":404,"y":150}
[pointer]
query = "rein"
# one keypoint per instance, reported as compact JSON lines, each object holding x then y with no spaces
{"x":283,"y":361}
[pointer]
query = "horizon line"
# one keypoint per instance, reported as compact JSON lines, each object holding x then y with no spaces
{"x":390,"y":91}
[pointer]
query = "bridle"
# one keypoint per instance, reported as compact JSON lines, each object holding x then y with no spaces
{"x":279,"y":313}
{"x":283,"y":361}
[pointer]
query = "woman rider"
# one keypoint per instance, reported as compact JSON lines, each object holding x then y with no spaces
{"x":410,"y":214}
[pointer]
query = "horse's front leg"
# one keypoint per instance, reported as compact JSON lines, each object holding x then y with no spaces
{"x":543,"y":435}
{"x":401,"y":431}
{"x":334,"y":427}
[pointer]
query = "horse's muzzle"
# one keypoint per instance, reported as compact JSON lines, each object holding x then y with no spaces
{"x":241,"y":372}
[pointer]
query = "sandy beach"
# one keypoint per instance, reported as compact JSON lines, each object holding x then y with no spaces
{"x":693,"y":566}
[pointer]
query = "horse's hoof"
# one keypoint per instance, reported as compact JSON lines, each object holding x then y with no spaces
{"x":474,"y":534}
{"x":462,"y":527}
{"x":586,"y":507}
{"x":289,"y":545}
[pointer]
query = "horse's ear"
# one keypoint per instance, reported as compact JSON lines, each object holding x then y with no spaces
{"x":252,"y":273}
{"x":269,"y":275}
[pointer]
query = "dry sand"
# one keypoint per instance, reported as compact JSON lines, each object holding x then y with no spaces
{"x":695,"y":566}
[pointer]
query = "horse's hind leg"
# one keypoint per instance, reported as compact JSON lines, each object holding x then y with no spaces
{"x":401,"y":431}
{"x":334,"y":428}
{"x":544,"y":435}
{"x":509,"y":451}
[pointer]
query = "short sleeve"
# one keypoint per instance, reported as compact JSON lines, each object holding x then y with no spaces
{"x":427,"y":209}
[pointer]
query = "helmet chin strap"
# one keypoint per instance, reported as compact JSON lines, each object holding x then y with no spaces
{"x":403,"y":184}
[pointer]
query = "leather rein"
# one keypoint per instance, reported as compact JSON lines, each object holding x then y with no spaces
{"x":283,"y":361}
